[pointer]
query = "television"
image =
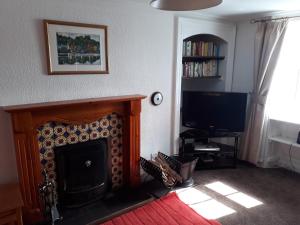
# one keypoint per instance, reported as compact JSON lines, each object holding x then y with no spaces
{"x":214,"y":111}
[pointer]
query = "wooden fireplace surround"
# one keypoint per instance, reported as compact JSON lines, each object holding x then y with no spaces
{"x":27,"y":118}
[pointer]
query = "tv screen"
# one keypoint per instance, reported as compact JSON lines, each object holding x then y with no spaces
{"x":214,"y":111}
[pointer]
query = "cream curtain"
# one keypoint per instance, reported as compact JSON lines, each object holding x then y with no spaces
{"x":268,"y":41}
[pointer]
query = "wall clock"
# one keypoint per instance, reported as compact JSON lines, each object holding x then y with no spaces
{"x":156,"y":98}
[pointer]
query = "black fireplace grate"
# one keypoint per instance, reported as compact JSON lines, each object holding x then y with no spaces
{"x":82,"y":172}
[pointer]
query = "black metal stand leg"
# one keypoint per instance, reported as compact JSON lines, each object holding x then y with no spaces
{"x":183,"y":146}
{"x":236,"y":142}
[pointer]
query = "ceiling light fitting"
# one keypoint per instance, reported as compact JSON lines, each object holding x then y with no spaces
{"x":184,"y":5}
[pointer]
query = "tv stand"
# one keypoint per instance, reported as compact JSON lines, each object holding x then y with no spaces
{"x":211,"y":154}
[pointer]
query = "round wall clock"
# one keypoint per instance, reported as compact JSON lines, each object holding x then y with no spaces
{"x":156,"y":98}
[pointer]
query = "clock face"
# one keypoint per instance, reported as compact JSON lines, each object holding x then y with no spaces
{"x":156,"y":98}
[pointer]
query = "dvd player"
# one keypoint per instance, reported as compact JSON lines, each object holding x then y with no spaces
{"x":206,"y":147}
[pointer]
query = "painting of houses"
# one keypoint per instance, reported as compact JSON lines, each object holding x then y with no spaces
{"x":78,"y":49}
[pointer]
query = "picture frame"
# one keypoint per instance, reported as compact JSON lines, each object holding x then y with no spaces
{"x":75,"y":48}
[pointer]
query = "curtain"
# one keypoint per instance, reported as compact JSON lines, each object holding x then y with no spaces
{"x":268,"y":41}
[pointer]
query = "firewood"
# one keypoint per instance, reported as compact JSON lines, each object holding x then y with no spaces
{"x":169,"y":172}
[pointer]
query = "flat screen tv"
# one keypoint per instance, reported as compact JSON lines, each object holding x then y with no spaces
{"x":214,"y":111}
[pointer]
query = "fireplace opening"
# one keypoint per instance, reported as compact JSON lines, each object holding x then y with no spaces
{"x":83,"y":172}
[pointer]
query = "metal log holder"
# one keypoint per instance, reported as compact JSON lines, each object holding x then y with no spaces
{"x":182,"y":166}
{"x":46,"y":190}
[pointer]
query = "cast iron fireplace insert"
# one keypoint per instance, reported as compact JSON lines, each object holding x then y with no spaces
{"x":83,"y":172}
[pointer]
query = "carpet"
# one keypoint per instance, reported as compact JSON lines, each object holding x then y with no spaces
{"x":168,"y":210}
{"x":278,"y":189}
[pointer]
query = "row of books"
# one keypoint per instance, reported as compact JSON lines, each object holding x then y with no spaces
{"x":200,"y":48}
{"x":200,"y":69}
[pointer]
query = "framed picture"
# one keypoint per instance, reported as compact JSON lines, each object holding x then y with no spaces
{"x":76,"y":48}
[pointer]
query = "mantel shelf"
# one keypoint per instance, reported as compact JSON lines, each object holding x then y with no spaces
{"x":111,"y":99}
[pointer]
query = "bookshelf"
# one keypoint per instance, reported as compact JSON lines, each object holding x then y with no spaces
{"x":201,"y":57}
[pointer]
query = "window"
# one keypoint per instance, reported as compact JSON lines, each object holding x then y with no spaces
{"x":284,"y":95}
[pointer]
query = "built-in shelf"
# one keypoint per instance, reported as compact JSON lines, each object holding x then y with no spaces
{"x":201,"y":58}
{"x":284,"y":140}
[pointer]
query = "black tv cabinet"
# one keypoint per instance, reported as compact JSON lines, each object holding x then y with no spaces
{"x":226,"y":157}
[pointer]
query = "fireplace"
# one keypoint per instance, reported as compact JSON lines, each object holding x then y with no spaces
{"x":82,"y":172}
{"x":35,"y":151}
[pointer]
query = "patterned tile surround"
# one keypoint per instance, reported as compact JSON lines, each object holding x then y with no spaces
{"x":54,"y":134}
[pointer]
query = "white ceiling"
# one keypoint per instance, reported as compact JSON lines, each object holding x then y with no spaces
{"x":246,"y":8}
{"x":237,"y":9}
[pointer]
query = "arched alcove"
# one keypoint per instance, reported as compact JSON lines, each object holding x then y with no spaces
{"x":222,"y":34}
{"x":204,"y":63}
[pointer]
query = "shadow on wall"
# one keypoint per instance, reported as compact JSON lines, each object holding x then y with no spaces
{"x":8,"y":168}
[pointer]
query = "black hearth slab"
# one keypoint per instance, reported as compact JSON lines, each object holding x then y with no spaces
{"x":114,"y":204}
{"x":120,"y":212}
{"x":155,"y":188}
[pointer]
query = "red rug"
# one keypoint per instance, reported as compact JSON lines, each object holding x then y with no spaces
{"x":169,"y":210}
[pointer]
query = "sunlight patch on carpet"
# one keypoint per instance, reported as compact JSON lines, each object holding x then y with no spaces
{"x":221,"y":188}
{"x":212,"y":209}
{"x":234,"y":195}
{"x":203,"y":204}
{"x":192,"y":196}
{"x":244,"y":200}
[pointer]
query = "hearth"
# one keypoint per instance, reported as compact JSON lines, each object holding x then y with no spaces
{"x":83,"y":172}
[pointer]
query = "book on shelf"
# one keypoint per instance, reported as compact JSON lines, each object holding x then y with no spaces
{"x":200,"y":69}
{"x":206,"y":70}
{"x":191,"y":70}
{"x":201,"y":45}
{"x":196,"y":70}
{"x":203,"y":52}
{"x":214,"y":69}
{"x":216,"y":50}
{"x":194,"y":48}
{"x":188,"y":48}
{"x":200,"y":48}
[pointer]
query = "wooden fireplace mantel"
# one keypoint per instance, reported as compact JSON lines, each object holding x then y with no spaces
{"x":27,"y":118}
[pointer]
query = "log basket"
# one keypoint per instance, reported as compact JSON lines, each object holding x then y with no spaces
{"x":184,"y":166}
